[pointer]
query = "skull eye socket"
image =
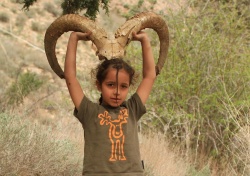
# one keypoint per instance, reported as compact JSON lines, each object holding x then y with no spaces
{"x":102,"y":57}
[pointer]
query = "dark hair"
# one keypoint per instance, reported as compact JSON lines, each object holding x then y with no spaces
{"x":101,"y":70}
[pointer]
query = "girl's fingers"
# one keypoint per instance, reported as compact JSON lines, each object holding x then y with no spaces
{"x":135,"y":36}
{"x":139,"y":36}
{"x":83,"y":36}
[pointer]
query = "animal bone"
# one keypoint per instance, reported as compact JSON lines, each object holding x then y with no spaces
{"x":106,"y":48}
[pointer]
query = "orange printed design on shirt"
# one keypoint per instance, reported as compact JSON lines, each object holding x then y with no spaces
{"x":116,"y":134}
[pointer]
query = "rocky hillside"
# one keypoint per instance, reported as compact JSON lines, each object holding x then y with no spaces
{"x":21,"y":50}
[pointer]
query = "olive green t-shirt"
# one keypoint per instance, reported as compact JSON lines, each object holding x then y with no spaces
{"x":111,"y":138}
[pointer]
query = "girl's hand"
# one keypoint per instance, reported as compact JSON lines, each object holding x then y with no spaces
{"x":81,"y":35}
{"x":140,"y":36}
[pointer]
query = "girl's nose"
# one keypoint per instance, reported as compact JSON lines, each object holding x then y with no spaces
{"x":117,"y":91}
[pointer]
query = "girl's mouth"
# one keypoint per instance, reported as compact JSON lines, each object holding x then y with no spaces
{"x":115,"y":99}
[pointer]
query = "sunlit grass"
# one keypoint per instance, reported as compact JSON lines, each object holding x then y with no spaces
{"x":30,"y":149}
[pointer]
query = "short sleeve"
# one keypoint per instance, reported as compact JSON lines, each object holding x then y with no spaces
{"x":136,"y":106}
{"x":83,"y":113}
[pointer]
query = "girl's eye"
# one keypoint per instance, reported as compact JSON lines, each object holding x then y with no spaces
{"x":110,"y":84}
{"x":124,"y":86}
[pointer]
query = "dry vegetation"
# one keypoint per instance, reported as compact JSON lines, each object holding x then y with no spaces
{"x":38,"y":133}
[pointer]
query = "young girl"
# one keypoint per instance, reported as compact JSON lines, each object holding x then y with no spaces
{"x":110,"y":127}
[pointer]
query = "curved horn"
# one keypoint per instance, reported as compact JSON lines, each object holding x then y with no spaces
{"x":146,"y":20}
{"x":65,"y":23}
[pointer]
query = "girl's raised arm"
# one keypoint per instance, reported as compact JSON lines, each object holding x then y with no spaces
{"x":73,"y":85}
{"x":148,"y":71}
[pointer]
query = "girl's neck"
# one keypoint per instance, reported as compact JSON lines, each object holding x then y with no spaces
{"x":112,"y":107}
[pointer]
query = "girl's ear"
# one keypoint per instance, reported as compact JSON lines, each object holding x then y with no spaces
{"x":98,"y":85}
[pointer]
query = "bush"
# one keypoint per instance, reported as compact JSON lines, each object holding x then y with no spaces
{"x":21,"y":20}
{"x":4,"y":17}
{"x":37,"y":27}
{"x":29,"y":149}
{"x":133,"y":9}
{"x":16,"y":1}
{"x":201,"y":98}
{"x":25,"y":83}
{"x":49,"y":7}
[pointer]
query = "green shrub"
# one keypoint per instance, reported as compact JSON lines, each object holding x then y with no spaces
{"x":207,"y":72}
{"x":37,"y":27}
{"x":4,"y":17}
{"x":31,"y":13}
{"x":203,"y":172}
{"x":134,"y":9}
{"x":16,"y":1}
{"x":51,"y":8}
{"x":21,"y":20}
{"x":201,"y":98}
{"x":25,"y":83}
{"x":126,"y":6}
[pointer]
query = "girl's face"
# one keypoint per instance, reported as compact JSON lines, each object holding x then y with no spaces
{"x":114,"y":88}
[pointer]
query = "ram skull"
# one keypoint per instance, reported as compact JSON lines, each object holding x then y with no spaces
{"x":106,"y":47}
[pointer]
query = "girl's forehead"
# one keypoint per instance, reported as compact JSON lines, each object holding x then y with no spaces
{"x":120,"y":74}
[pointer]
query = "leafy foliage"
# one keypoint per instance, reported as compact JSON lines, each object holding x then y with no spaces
{"x":137,"y":8}
{"x":201,"y":98}
{"x":75,"y":6}
{"x":26,"y":83}
{"x":28,"y":3}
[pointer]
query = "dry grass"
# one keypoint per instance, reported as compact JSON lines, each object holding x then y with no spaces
{"x":242,"y":147}
{"x":30,"y":149}
{"x":57,"y":150}
{"x":160,"y":159}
